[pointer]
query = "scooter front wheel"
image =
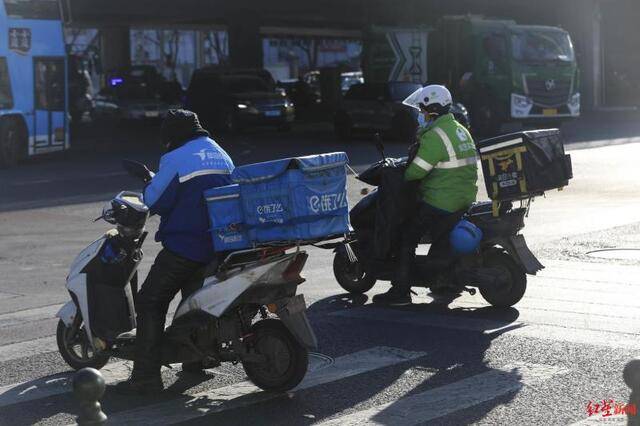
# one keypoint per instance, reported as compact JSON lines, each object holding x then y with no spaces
{"x":75,"y":348}
{"x":285,"y":359}
{"x":351,"y":276}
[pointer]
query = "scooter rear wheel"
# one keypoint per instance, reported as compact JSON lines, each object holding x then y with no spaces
{"x":75,"y":348}
{"x":351,"y":276}
{"x":286,"y":359}
{"x":515,"y":281}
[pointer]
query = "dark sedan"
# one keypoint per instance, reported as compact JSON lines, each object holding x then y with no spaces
{"x":235,"y":102}
{"x":377,"y":107}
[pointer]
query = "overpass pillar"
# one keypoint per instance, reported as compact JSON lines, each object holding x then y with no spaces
{"x":115,"y":47}
{"x":245,"y":42}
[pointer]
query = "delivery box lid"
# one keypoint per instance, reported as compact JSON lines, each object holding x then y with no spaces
{"x":258,"y":172}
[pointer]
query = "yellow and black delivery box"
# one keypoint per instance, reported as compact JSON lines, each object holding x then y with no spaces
{"x":525,"y":164}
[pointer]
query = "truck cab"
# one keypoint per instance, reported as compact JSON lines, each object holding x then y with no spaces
{"x":505,"y":72}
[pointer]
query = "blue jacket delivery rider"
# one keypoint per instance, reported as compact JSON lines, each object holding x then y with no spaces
{"x":192,"y":164}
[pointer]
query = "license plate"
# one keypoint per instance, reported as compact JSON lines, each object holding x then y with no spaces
{"x":272,"y":113}
{"x":550,"y":111}
{"x":151,"y":114}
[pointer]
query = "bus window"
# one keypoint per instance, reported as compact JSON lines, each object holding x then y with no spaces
{"x":6,"y":98}
{"x":49,"y":84}
{"x":32,"y":9}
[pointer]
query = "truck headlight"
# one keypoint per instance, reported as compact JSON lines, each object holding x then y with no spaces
{"x":574,"y":100}
{"x":574,"y":104}
{"x":243,"y":106}
{"x":520,"y":101}
{"x":520,"y":106}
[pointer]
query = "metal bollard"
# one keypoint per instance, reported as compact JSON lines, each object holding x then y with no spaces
{"x":88,"y":388}
{"x":631,"y":375}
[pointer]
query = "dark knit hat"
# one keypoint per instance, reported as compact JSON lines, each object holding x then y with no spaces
{"x":179,"y":127}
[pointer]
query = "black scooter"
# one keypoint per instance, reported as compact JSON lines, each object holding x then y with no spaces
{"x":498,"y":268}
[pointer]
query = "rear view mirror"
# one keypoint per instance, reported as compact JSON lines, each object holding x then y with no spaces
{"x":377,"y":140}
{"x":137,"y":170}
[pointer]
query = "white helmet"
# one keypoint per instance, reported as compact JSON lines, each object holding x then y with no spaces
{"x":433,"y":98}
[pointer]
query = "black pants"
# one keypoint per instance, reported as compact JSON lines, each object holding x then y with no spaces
{"x":169,"y":274}
{"x":428,"y":219}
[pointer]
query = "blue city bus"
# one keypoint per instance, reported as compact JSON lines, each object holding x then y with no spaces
{"x":33,"y":80}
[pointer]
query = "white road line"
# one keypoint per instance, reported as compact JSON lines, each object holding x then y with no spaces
{"x":246,"y":393}
{"x":516,"y":328}
{"x":113,"y":372}
{"x":444,"y":400}
{"x":56,"y":384}
{"x":4,"y":295}
{"x":29,"y":315}
{"x":28,"y":348}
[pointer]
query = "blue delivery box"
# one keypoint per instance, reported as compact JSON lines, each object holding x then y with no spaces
{"x":292,"y":199}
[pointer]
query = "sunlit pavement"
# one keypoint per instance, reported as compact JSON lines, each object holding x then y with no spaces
{"x":564,"y":345}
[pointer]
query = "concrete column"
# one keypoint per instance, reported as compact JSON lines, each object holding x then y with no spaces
{"x":116,"y":48}
{"x":598,"y":56}
{"x":245,"y":42}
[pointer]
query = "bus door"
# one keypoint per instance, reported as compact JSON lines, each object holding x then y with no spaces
{"x":49,"y":96}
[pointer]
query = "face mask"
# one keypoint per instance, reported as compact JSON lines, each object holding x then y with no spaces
{"x":422,"y":121}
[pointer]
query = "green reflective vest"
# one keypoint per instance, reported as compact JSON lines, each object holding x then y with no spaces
{"x":446,"y":164}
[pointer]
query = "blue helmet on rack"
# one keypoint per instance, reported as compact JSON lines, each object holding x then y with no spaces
{"x":465,"y":237}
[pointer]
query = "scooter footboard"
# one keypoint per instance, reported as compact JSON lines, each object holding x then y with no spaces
{"x":294,"y":317}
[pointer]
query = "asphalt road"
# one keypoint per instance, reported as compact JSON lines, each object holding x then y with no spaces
{"x":564,"y":345}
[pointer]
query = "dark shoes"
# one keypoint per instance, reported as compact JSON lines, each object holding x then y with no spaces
{"x":143,"y":386}
{"x":393,"y":297}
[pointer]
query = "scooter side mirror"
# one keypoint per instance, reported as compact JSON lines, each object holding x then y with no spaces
{"x":137,"y":170}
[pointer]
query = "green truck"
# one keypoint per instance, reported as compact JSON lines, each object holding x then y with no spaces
{"x":502,"y":71}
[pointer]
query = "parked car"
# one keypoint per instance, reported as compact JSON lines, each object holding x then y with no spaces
{"x":233,"y":102}
{"x":348,"y":79}
{"x":305,"y":100}
{"x":377,"y":107}
{"x":221,"y":71}
{"x":137,"y":93}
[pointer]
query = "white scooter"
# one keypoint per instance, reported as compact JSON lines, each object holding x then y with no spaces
{"x":246,"y":311}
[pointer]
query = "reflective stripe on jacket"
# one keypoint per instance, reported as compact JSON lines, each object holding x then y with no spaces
{"x":446,"y":164}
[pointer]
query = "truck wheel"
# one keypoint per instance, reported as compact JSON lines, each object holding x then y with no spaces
{"x":286,"y":360}
{"x":512,"y":276}
{"x":75,"y":348}
{"x":351,"y":276}
{"x":13,"y":142}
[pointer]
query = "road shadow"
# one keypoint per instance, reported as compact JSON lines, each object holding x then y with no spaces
{"x":451,"y":355}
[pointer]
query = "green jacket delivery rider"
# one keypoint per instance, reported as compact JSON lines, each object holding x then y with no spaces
{"x":446,"y":167}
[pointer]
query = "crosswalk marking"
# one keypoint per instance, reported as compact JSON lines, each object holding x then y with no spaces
{"x":516,"y":328}
{"x":113,"y":372}
{"x":447,"y":399}
{"x":28,"y":348}
{"x":29,"y":315}
{"x":246,"y":393}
